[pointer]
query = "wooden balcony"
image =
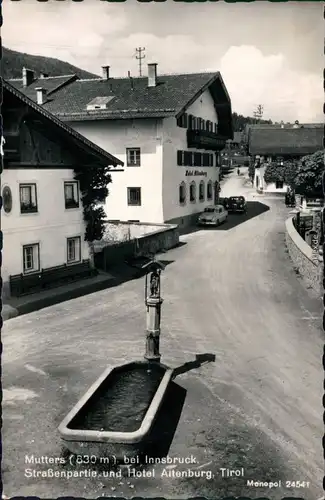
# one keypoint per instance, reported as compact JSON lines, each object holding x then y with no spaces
{"x":203,"y":139}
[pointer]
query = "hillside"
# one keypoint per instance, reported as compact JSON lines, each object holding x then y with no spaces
{"x":12,"y":63}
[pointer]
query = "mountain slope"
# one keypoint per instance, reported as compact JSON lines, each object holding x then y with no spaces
{"x":12,"y":63}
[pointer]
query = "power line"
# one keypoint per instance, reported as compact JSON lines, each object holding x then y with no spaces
{"x":139,"y":56}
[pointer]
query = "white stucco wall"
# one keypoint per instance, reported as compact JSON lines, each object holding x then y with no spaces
{"x":115,"y":136}
{"x":267,"y":188}
{"x":174,"y":138}
{"x":50,"y":226}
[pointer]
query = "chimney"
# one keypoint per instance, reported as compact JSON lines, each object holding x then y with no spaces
{"x":41,"y":95}
{"x":44,"y":75}
{"x":28,"y":77}
{"x":152,"y":75}
{"x":105,"y":72}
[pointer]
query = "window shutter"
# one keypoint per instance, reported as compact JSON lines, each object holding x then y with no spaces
{"x":185,"y":120}
{"x":179,"y":157}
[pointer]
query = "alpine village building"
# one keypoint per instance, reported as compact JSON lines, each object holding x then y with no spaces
{"x":278,"y":143}
{"x":167,"y":130}
{"x":42,"y":213}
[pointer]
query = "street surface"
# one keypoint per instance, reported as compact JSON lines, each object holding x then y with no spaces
{"x":231,"y":292}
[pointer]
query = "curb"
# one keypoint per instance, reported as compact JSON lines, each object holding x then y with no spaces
{"x":8,"y":312}
{"x":42,"y":302}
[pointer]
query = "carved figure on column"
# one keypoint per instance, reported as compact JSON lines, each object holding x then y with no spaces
{"x":155,"y":284}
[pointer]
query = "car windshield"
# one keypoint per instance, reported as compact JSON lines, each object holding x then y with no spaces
{"x":209,"y":210}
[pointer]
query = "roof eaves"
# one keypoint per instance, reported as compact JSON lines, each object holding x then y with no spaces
{"x":197,"y":94}
{"x":115,"y":114}
{"x":60,"y":124}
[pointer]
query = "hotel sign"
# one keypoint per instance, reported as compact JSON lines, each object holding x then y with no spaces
{"x":196,"y":173}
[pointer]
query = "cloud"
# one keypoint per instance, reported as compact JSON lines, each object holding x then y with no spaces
{"x":60,"y":29}
{"x":252,"y":78}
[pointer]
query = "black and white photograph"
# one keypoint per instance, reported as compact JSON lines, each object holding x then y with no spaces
{"x":162,"y":217}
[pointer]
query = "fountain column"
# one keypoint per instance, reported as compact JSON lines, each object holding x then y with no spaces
{"x":153,"y":303}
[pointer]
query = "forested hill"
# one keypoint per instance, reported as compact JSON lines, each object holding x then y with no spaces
{"x":239,"y":121}
{"x":13,"y":62}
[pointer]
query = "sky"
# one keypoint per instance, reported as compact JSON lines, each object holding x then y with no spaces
{"x":268,"y":53}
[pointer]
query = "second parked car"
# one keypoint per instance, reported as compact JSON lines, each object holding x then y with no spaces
{"x":236,"y":204}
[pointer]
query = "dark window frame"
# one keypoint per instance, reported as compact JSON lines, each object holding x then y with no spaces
{"x":28,"y":208}
{"x":182,"y":121}
{"x":35,"y":269}
{"x":201,"y":191}
{"x":197,"y":159}
{"x":182,"y":193}
{"x":137,"y":163}
{"x":193,"y":192}
{"x":136,"y":203}
{"x":71,"y":203}
{"x":78,"y":259}
{"x":209,"y":190}
{"x":180,"y":158}
{"x":279,"y":184}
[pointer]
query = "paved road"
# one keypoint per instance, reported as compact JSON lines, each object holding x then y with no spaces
{"x":230,"y":292}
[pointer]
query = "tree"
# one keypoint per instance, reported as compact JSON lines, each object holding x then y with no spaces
{"x":286,"y":173}
{"x":308,"y":181}
{"x":239,"y":121}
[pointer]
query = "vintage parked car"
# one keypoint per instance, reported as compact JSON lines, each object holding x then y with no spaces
{"x":236,"y":204}
{"x":213,"y":216}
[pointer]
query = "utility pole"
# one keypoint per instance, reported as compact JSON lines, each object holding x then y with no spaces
{"x":258,"y":113}
{"x":139,"y":56}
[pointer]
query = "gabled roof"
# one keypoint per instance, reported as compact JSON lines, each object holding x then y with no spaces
{"x":134,"y":99}
{"x":285,"y":141}
{"x":50,"y":84}
{"x":84,"y":143}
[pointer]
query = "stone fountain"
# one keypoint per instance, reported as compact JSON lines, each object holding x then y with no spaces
{"x":116,"y":415}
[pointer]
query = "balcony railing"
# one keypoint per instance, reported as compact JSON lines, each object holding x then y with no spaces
{"x":203,"y":139}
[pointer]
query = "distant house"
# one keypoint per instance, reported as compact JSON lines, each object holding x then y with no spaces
{"x":167,"y":129}
{"x":42,"y":215}
{"x":275,"y":144}
{"x":236,"y":142}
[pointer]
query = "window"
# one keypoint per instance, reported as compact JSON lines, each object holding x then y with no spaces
{"x":31,"y":258}
{"x":215,"y":128}
{"x":197,"y":159}
{"x":73,"y":249}
{"x":209,"y":190}
{"x":279,"y":185}
{"x":188,"y":158}
{"x":191,"y":122}
{"x":211,"y":160}
{"x":182,"y":193}
{"x":182,"y":121}
{"x":180,"y":157}
{"x":71,"y":194}
{"x":133,"y":157}
{"x":134,"y":196}
{"x":201,"y":191}
{"x":28,"y":198}
{"x":192,"y":192}
{"x":205,"y":162}
{"x":202,"y":124}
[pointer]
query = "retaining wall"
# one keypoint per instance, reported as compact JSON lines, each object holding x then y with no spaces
{"x":155,"y":238}
{"x":302,"y":257}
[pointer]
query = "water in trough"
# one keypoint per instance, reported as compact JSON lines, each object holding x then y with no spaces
{"x":121,"y":402}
